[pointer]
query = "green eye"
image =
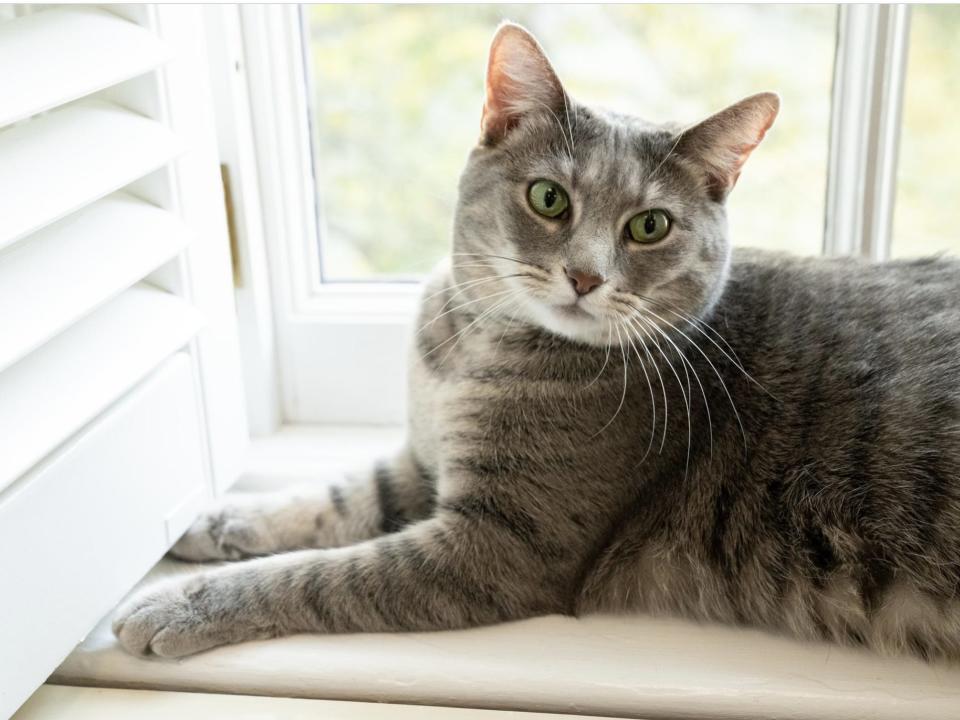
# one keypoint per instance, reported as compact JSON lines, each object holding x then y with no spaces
{"x":548,"y":198}
{"x":649,"y":226}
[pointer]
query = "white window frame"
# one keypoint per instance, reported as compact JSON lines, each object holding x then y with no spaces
{"x":340,"y":347}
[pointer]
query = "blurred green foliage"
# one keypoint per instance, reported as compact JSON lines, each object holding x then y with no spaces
{"x":927,"y":210}
{"x":397,"y":92}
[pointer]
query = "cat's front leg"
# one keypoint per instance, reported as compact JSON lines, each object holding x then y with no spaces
{"x":387,"y":497}
{"x":445,"y":573}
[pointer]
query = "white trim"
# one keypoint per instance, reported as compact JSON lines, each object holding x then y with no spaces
{"x":339,"y":345}
{"x":865,"y":129}
{"x":231,"y":99}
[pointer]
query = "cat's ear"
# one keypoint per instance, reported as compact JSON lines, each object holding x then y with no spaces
{"x":520,"y":80}
{"x":722,"y":143}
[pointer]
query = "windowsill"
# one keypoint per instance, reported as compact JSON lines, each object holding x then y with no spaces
{"x":628,"y":667}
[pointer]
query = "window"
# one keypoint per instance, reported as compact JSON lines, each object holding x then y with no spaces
{"x":362,"y":117}
{"x":927,"y":215}
{"x":396,"y":90}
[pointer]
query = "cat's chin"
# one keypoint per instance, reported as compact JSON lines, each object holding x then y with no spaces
{"x":573,"y":323}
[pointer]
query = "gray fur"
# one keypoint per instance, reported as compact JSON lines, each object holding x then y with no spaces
{"x":730,"y":436}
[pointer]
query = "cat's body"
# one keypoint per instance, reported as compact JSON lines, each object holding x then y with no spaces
{"x":834,"y":513}
{"x":755,"y":439}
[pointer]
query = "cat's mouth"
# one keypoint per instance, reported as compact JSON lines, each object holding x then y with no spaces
{"x":573,"y":310}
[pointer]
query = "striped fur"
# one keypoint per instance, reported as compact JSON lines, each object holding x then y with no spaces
{"x":733,"y":437}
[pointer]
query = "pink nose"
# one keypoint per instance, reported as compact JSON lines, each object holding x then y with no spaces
{"x":583,"y":282}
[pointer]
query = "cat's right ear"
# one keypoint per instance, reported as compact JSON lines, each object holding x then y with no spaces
{"x":520,"y":80}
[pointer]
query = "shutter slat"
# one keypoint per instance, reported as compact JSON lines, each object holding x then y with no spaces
{"x":64,"y":271}
{"x":59,"y":162}
{"x":55,"y":56}
{"x":54,"y":391}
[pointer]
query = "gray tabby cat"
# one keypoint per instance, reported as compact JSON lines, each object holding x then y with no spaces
{"x":612,"y":410}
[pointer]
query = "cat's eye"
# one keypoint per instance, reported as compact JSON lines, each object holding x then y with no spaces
{"x":650,"y":226}
{"x":547,"y":198}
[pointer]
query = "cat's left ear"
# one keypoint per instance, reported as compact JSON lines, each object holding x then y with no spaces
{"x":520,"y":80}
{"x":722,"y":143}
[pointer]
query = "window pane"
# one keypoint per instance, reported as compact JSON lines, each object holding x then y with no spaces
{"x":927,"y":214}
{"x":397,"y":92}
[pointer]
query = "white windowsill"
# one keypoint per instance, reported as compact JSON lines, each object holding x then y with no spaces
{"x":628,"y":667}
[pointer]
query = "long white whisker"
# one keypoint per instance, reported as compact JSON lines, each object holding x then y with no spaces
{"x":663,"y":388}
{"x":623,"y":394}
{"x":716,"y":372}
{"x":703,"y":392}
{"x":503,"y":257}
{"x":460,"y":333}
{"x":463,"y":305}
{"x":736,"y":362}
{"x":606,"y":358}
{"x":686,"y":400}
{"x":653,"y":402}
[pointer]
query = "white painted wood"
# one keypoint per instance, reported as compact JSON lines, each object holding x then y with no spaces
{"x":350,"y":371}
{"x":59,"y":162}
{"x":636,"y":667}
{"x":59,"y":702}
{"x":71,"y":267}
{"x":79,"y":530}
{"x":231,"y":99}
{"x":361,"y":329}
{"x":55,"y":390}
{"x":865,"y":128}
{"x":199,"y":200}
{"x":58,"y":55}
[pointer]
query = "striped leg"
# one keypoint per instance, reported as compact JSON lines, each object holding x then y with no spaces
{"x":391,"y":495}
{"x":454,"y":570}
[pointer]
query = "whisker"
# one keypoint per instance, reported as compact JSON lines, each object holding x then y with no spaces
{"x":703,"y":392}
{"x":606,"y":359}
{"x":463,"y":305}
{"x":465,"y":331}
{"x":503,"y":257}
{"x":653,"y":402}
{"x":465,"y":284}
{"x":663,"y":388}
{"x":683,"y":393}
{"x":460,"y":333}
{"x":513,"y":317}
{"x":715,"y":371}
{"x":736,"y":361}
{"x":623,"y":394}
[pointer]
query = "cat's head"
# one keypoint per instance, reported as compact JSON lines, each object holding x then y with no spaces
{"x":588,"y":223}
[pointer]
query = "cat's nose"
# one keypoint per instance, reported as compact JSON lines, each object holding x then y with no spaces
{"x":583,"y":282}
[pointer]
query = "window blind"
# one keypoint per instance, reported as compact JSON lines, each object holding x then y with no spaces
{"x":119,"y":374}
{"x":76,"y":232}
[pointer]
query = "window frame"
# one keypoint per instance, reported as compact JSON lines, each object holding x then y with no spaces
{"x":364,"y":384}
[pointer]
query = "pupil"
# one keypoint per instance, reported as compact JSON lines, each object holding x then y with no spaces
{"x":550,"y":197}
{"x":649,"y":225}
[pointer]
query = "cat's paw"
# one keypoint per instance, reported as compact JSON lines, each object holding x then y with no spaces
{"x":227,"y":532}
{"x":169,"y":620}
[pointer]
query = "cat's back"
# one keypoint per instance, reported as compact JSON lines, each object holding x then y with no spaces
{"x":846,"y":325}
{"x":793,"y":294}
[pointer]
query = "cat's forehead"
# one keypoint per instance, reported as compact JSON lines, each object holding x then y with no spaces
{"x":594,"y":150}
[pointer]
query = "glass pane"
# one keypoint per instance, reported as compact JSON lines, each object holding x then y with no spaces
{"x":927,"y":214}
{"x":397,"y":92}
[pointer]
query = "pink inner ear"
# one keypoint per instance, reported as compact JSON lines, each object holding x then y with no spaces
{"x":742,"y":152}
{"x":519,"y":80}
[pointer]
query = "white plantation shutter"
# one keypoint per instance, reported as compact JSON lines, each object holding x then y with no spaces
{"x":120,"y":401}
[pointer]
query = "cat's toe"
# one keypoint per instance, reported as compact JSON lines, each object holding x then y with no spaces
{"x":226,"y":533}
{"x":162,"y":622}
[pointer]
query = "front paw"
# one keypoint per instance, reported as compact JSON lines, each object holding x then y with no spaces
{"x":228,"y":532}
{"x":170,"y":620}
